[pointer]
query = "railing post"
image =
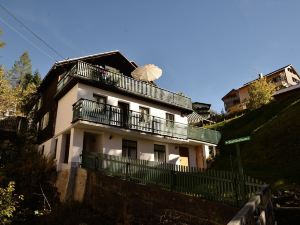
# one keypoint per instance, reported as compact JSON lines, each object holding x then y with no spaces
{"x":96,"y":163}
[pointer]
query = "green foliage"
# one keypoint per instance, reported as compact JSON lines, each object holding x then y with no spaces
{"x":33,"y":173}
{"x":18,"y":87}
{"x":9,"y":203}
{"x":273,"y":152}
{"x":260,"y":93}
{"x":21,"y":71}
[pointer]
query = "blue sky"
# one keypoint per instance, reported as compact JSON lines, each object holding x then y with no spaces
{"x":205,"y":47}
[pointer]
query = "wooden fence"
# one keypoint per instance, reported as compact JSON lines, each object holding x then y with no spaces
{"x":221,"y":186}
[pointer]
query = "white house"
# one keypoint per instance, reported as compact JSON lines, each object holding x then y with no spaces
{"x":92,"y":105}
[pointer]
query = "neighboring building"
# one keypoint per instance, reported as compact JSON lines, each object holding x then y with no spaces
{"x":236,"y":99}
{"x":92,"y":104}
{"x":201,"y":114}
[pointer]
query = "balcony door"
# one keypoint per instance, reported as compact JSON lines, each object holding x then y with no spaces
{"x":124,"y":114}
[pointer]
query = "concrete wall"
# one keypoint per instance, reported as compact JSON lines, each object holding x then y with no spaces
{"x":130,"y":203}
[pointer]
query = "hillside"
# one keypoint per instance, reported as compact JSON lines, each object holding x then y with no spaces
{"x":273,"y":154}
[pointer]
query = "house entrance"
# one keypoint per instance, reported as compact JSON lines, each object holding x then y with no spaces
{"x":91,"y":143}
{"x":184,"y":156}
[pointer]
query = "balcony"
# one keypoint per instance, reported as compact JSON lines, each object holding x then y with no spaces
{"x":124,"y":83}
{"x":114,"y":116}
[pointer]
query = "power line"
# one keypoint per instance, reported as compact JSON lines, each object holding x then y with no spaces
{"x":32,"y":32}
{"x":26,"y":39}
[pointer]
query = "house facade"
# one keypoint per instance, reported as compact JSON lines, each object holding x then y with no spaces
{"x":92,"y":105}
{"x":236,"y":99}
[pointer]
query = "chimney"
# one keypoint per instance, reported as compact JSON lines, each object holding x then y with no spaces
{"x":260,"y":76}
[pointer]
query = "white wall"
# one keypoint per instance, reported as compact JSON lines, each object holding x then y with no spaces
{"x":49,"y":147}
{"x":65,"y":110}
{"x":86,"y":91}
{"x":76,"y":145}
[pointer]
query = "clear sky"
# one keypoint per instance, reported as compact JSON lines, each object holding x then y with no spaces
{"x":204,"y":47}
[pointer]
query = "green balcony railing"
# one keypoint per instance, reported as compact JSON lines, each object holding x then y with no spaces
{"x":111,"y":115}
{"x":203,"y":134}
{"x":125,"y":83}
{"x":114,"y":116}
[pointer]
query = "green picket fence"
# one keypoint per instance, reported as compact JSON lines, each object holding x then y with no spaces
{"x":222,"y":186}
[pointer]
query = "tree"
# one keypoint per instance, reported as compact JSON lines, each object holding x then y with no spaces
{"x":260,"y":92}
{"x":7,"y":95}
{"x":9,"y":203}
{"x":21,"y":71}
{"x":1,"y":42}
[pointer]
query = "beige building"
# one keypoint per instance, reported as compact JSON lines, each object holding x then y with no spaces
{"x":236,"y":99}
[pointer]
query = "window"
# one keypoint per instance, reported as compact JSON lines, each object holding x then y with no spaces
{"x":144,"y":114}
{"x":170,"y":119}
{"x":43,"y":149}
{"x":45,"y":121}
{"x":129,"y":149}
{"x":100,"y":99}
{"x":295,"y":80}
{"x":160,"y":153}
{"x":55,"y":148}
{"x":39,"y":103}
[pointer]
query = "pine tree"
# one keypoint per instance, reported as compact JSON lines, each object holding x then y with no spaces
{"x":21,"y":71}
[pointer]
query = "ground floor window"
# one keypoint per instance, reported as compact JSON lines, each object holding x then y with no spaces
{"x":160,"y":153}
{"x":129,"y":149}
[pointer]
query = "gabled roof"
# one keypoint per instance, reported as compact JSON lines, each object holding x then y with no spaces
{"x":194,"y":118}
{"x":71,"y":61}
{"x":94,"y":56}
{"x":274,"y":72}
{"x":232,"y":90}
{"x":267,"y":75}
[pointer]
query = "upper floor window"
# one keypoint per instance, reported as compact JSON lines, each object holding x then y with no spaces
{"x":295,"y":80}
{"x":144,"y":114}
{"x":45,"y":121}
{"x":170,"y":119}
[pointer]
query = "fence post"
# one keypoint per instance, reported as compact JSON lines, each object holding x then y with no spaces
{"x":235,"y":185}
{"x":127,"y":171}
{"x":173,"y":180}
{"x":96,"y":163}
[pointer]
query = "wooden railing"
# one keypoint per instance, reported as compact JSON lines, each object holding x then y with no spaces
{"x":111,"y":115}
{"x":125,"y":83}
{"x":221,"y":186}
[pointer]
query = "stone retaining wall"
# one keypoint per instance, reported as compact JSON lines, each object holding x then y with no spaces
{"x":126,"y":202}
